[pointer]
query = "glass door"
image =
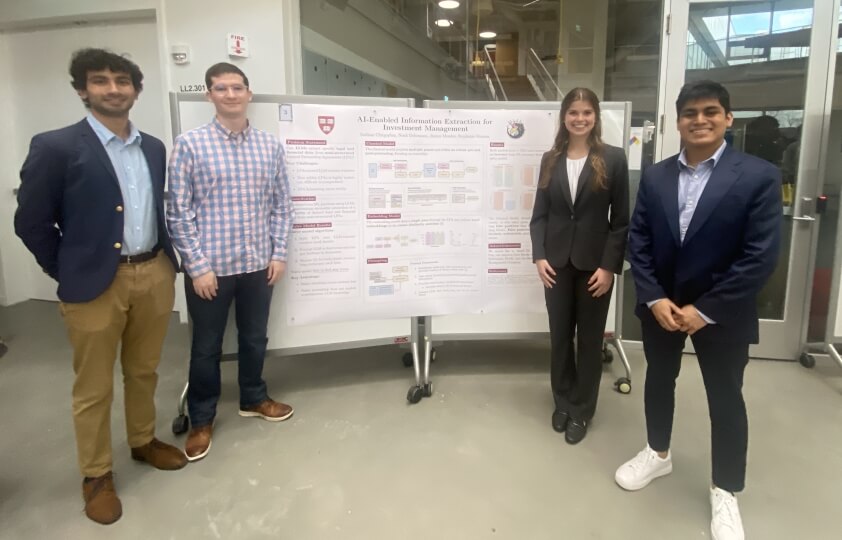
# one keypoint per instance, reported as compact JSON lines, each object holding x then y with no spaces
{"x":776,"y":58}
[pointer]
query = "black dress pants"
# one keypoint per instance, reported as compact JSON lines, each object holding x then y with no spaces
{"x":722,"y":366}
{"x":573,"y":311}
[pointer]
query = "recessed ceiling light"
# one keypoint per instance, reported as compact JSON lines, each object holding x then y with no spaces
{"x":448,"y":4}
{"x":488,"y":34}
{"x":444,"y":23}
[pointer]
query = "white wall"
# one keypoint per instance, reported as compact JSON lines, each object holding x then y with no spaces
{"x":274,"y":67}
{"x":203,"y":25}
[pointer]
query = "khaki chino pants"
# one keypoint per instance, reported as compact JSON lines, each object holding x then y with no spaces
{"x":134,"y":313}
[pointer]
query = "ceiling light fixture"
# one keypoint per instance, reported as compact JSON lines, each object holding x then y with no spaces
{"x":448,"y":4}
{"x":488,"y":34}
{"x":444,"y":23}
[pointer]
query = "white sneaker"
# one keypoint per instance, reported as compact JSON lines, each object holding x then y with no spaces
{"x":646,"y":466}
{"x":726,"y":523}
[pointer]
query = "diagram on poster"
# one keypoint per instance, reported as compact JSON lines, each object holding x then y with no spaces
{"x":404,"y":212}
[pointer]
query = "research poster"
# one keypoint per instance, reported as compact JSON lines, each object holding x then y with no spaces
{"x":411,"y":212}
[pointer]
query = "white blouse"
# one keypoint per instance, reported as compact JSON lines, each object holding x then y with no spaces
{"x":574,"y":170}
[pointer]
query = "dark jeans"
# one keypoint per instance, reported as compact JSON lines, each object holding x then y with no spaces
{"x":722,"y":366}
{"x":252,"y":297}
{"x":575,"y":372}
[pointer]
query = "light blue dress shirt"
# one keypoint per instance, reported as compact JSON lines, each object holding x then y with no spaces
{"x":691,"y":185}
{"x":140,"y":226}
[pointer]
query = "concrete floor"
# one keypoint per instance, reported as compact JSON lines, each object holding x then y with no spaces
{"x":476,"y":460}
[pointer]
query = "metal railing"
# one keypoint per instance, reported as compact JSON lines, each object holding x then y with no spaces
{"x":494,"y":85}
{"x":542,"y":82}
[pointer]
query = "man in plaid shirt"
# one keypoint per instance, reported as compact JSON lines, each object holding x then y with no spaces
{"x":229,"y":216}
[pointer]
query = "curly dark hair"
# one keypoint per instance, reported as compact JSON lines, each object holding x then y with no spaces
{"x":86,"y":60}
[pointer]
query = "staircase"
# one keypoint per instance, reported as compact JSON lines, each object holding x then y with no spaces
{"x":518,"y":88}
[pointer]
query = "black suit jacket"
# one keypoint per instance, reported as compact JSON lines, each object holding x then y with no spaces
{"x":729,"y":251}
{"x":588,"y":228}
{"x":68,"y":214}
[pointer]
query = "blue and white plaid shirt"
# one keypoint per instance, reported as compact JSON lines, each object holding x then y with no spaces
{"x":229,"y":209}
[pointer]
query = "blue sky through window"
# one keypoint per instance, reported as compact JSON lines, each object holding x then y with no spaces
{"x":792,"y":19}
{"x":725,"y":30}
{"x":750,"y":24}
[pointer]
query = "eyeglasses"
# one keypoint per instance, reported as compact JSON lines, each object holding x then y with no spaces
{"x":235,"y":88}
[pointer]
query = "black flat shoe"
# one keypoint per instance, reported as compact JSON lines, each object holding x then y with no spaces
{"x":576,"y":431}
{"x":560,"y":420}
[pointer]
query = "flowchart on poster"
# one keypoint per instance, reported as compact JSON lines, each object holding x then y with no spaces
{"x":403,"y":212}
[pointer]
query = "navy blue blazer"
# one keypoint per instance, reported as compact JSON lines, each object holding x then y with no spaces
{"x":729,"y":251}
{"x":70,"y":208}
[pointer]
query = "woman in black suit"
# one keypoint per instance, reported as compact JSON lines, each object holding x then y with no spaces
{"x":578,"y":228}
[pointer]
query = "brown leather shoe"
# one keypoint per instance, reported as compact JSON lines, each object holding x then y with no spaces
{"x":160,"y":455}
{"x":101,"y":502}
{"x":269,"y":409}
{"x":198,"y":442}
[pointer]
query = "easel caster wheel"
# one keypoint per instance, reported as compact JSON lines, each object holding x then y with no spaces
{"x":180,"y":424}
{"x":607,"y":356}
{"x":415,"y":394}
{"x":428,"y":389}
{"x":807,"y":360}
{"x":407,"y":359}
{"x":623,"y":385}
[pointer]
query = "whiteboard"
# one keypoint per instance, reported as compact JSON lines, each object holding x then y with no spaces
{"x":190,"y":111}
{"x":834,"y":322}
{"x":616,"y":130}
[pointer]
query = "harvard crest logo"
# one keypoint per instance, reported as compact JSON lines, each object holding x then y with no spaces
{"x":326,"y":124}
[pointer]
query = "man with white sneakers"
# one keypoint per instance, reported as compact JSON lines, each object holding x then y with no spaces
{"x":703,"y":240}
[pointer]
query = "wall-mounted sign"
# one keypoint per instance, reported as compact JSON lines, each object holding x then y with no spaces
{"x":237,"y":45}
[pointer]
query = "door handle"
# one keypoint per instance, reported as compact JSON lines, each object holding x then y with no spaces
{"x":808,"y":206}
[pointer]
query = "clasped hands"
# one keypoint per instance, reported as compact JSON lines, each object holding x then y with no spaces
{"x":673,"y":318}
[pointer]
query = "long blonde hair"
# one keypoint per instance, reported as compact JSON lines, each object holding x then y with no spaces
{"x":563,"y":137}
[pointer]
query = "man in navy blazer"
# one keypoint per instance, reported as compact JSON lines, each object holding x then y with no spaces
{"x":703,"y":240}
{"x":91,"y":210}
